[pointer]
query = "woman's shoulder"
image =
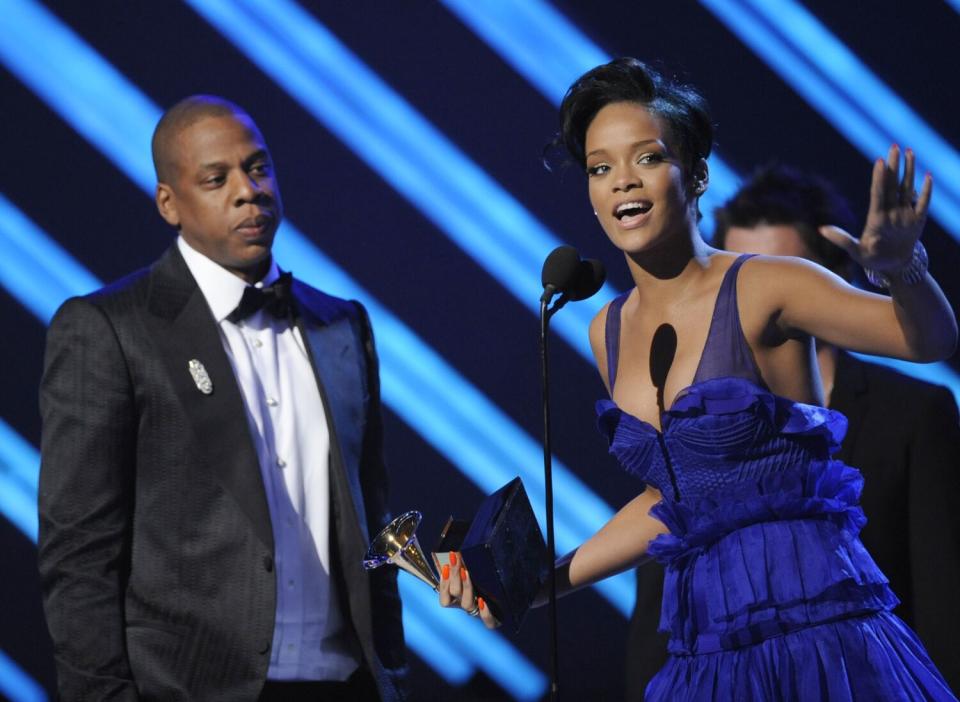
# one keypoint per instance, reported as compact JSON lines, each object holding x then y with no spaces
{"x":776,"y":279}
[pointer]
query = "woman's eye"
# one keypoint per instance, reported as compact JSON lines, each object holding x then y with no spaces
{"x":599,"y":169}
{"x":651,"y":157}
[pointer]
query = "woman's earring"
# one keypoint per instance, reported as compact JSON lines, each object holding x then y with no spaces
{"x":595,"y":214}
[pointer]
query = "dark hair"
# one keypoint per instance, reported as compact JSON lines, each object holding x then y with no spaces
{"x":681,"y":107}
{"x":780,"y":195}
{"x":185,"y":113}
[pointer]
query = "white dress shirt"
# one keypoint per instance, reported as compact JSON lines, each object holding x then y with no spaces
{"x":292,"y":439}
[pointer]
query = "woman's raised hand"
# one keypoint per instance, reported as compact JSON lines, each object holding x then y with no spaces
{"x":895,"y":219}
{"x":456,"y":590}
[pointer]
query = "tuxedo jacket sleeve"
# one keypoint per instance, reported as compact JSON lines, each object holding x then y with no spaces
{"x":156,"y":547}
{"x":86,"y":498}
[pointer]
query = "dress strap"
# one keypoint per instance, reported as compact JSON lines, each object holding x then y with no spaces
{"x":726,"y":352}
{"x":613,"y":337}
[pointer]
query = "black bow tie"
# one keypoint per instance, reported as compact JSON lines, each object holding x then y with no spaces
{"x":275,"y":299}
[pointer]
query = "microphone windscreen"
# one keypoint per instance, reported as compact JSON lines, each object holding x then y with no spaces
{"x":589,"y":279}
{"x":560,"y":268}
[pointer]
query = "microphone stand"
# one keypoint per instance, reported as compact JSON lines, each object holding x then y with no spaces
{"x":545,"y":314}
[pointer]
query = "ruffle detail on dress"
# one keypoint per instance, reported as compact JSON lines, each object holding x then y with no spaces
{"x":720,"y":396}
{"x":873,"y":657}
{"x":825,"y":490}
{"x":608,"y":418}
{"x":764,"y":557}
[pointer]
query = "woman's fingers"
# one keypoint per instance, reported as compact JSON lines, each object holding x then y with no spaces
{"x":486,"y":616}
{"x":891,"y":180}
{"x":446,"y":599}
{"x":906,"y":192}
{"x":454,"y":579}
{"x":877,"y":180}
{"x":923,"y":202}
{"x":456,"y":589}
{"x":467,"y":600}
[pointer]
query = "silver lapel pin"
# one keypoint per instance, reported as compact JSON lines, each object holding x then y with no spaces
{"x":200,"y":376}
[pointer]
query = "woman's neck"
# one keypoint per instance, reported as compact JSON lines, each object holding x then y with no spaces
{"x":664,"y":271}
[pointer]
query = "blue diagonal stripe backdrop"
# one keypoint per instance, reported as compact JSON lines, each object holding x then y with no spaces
{"x":409,"y":139}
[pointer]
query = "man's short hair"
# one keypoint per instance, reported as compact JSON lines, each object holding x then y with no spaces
{"x":185,"y":113}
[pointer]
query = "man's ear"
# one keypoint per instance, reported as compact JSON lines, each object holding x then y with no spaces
{"x":167,"y":204}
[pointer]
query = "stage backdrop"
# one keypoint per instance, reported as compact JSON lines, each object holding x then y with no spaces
{"x":408,"y":139}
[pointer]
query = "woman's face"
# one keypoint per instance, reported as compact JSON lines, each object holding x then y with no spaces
{"x":635,"y":179}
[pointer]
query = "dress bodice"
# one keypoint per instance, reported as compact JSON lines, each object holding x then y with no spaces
{"x":726,"y":426}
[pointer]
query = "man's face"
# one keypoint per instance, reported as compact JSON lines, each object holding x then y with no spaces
{"x":223,"y":195}
{"x":768,"y":239}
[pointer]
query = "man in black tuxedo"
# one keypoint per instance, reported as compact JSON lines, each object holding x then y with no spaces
{"x":211,"y":458}
{"x":903,"y":435}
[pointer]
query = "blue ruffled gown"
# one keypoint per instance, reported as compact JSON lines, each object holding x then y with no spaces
{"x":768,"y":592}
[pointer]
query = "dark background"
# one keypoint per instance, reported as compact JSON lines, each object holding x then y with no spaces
{"x":467,"y":91}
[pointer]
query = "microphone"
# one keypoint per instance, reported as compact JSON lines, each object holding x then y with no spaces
{"x":564,"y":272}
{"x":589,"y":279}
{"x":560,"y":269}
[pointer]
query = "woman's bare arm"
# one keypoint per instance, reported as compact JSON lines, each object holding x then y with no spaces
{"x":915,"y":322}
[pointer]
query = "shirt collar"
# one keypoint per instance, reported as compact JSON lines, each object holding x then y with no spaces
{"x":221,"y":288}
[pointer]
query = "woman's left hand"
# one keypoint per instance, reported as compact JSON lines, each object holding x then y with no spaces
{"x":895,"y":220}
{"x":456,"y":590}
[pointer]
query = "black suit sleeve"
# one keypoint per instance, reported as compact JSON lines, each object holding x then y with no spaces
{"x":85,"y":502}
{"x":934,"y":530}
{"x":385,"y":604}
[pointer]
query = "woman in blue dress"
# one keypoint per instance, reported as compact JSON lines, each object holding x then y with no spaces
{"x":715,"y":405}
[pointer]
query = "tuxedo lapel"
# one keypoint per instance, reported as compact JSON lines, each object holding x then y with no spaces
{"x":334,"y":349}
{"x":184,"y":330}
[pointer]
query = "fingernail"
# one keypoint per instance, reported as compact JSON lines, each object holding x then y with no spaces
{"x":481,"y":604}
{"x":453,"y":558}
{"x":445,"y":572}
{"x":463,"y":574}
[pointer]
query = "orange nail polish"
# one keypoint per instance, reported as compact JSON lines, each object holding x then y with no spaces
{"x":453,"y":558}
{"x":463,"y":574}
{"x":481,"y":604}
{"x":445,"y":572}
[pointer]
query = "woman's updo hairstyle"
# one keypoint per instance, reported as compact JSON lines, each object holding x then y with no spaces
{"x":682,"y":109}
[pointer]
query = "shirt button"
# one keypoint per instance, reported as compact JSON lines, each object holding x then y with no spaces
{"x":272,"y":402}
{"x":281,"y":463}
{"x":257,"y":343}
{"x":290,"y":583}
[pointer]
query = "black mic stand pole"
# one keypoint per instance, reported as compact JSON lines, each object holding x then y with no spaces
{"x":545,"y":314}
